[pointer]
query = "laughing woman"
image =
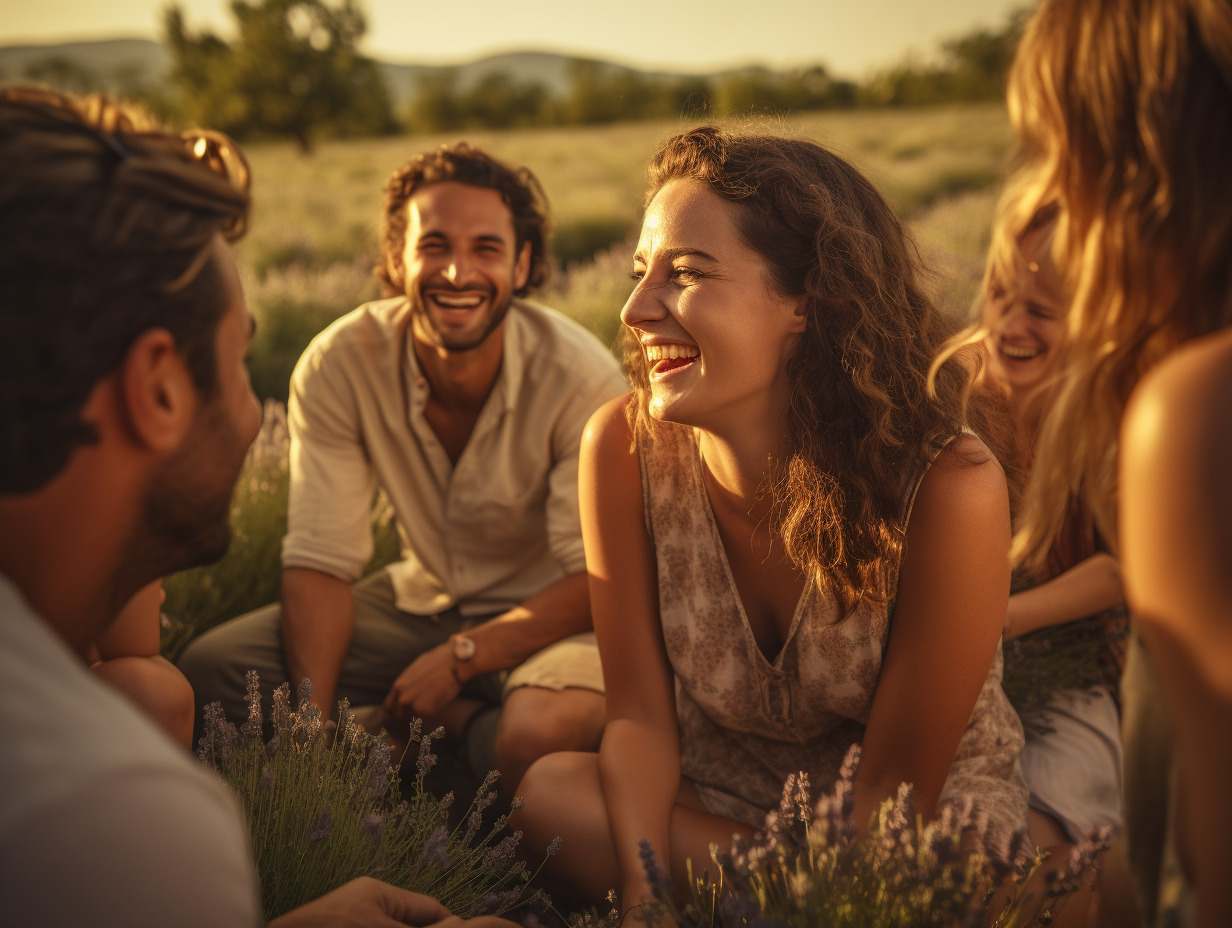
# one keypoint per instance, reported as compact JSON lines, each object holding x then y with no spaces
{"x":792,"y":546}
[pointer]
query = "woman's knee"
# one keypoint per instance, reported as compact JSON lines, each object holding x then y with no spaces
{"x":555,"y":785}
{"x":536,"y":722}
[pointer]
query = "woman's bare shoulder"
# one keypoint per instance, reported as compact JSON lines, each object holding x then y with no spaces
{"x":966,"y":467}
{"x":964,"y":486}
{"x":607,"y":442}
{"x":1180,"y":414}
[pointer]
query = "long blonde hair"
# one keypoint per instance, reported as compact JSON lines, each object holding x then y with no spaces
{"x":1123,"y":107}
{"x":1024,"y":207}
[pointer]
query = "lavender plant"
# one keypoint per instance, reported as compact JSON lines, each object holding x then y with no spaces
{"x":322,"y":811}
{"x":808,"y":867}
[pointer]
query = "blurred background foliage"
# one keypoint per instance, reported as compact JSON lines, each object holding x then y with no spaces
{"x":294,"y":70}
{"x":934,"y":138}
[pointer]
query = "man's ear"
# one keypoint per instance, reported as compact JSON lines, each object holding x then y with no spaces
{"x":157,"y":390}
{"x":521,"y":270}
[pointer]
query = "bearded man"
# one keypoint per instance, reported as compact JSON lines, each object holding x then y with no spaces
{"x":465,"y":403}
{"x":125,"y":415}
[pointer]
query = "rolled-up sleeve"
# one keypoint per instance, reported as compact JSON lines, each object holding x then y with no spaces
{"x":563,"y":518}
{"x":331,"y":477}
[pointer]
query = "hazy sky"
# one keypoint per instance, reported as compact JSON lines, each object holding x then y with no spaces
{"x":849,"y":36}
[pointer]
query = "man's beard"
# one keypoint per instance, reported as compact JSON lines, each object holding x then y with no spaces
{"x":185,"y":518}
{"x":426,"y":327}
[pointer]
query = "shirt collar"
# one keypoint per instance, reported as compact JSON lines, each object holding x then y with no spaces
{"x":508,"y":378}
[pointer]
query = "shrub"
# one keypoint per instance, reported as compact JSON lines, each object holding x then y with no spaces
{"x":594,"y":293}
{"x":324,"y":810}
{"x":579,"y":239}
{"x":808,"y":868}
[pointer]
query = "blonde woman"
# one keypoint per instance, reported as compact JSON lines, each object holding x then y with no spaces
{"x":1064,"y":626}
{"x":1125,"y":108}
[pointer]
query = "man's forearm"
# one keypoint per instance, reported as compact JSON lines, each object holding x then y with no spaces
{"x":318,"y":614}
{"x":555,"y":612}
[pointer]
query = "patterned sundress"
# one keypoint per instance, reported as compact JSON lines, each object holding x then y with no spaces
{"x":746,"y":722}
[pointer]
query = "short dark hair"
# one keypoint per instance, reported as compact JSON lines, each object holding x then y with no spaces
{"x":107,"y":222}
{"x":465,"y":164}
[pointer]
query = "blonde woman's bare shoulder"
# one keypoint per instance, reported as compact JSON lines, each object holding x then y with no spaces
{"x":1180,"y":414}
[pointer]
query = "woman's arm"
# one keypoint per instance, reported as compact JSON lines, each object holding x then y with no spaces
{"x":1089,"y":587}
{"x":127,"y":656}
{"x":1176,"y":540}
{"x":952,"y":591}
{"x":639,"y":759}
{"x":135,"y":631}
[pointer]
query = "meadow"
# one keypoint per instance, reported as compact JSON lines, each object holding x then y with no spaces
{"x":308,"y":259}
{"x":316,"y":221}
{"x":314,"y":238}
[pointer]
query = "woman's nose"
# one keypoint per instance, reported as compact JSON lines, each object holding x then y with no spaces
{"x":643,"y":305}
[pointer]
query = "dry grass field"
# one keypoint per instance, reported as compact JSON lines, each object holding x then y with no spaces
{"x":316,"y":219}
{"x":313,"y":244}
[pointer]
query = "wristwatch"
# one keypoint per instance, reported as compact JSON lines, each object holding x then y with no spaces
{"x":463,"y":650}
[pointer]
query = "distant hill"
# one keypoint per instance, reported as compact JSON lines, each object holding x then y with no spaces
{"x":119,"y":63}
{"x":112,"y":62}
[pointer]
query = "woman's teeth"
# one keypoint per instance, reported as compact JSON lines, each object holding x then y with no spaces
{"x":670,"y":352}
{"x":1020,"y":354}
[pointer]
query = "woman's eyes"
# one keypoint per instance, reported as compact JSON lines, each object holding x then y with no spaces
{"x":1042,"y":312}
{"x":682,"y":274}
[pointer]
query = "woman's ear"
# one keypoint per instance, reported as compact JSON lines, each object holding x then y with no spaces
{"x":799,"y":319}
{"x":158,"y":394}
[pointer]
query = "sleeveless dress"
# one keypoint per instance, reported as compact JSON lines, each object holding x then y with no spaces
{"x":746,"y":723}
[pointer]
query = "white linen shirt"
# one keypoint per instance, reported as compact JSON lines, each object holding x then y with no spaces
{"x":483,"y":535}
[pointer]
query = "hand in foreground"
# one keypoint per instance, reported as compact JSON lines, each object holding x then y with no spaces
{"x":425,"y":687}
{"x":369,"y":903}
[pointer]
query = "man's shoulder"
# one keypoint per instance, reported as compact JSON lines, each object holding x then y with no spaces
{"x":65,"y":729}
{"x":372,"y":326}
{"x":98,"y":807}
{"x":367,"y":342}
{"x":554,"y":342}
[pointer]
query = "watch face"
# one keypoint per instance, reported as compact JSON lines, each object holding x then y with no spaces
{"x":463,"y":648}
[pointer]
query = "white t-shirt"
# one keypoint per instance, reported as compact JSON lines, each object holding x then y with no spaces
{"x":103,"y":820}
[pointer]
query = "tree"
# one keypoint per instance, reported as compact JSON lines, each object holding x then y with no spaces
{"x":293,"y":70}
{"x":973,"y":67}
{"x":63,"y":74}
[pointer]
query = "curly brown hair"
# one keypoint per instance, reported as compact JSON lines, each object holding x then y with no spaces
{"x":108,"y":223}
{"x":862,"y":422}
{"x":465,"y":164}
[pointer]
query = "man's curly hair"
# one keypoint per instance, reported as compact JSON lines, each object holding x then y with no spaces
{"x":863,"y":421}
{"x":465,"y":164}
{"x":107,"y":227}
